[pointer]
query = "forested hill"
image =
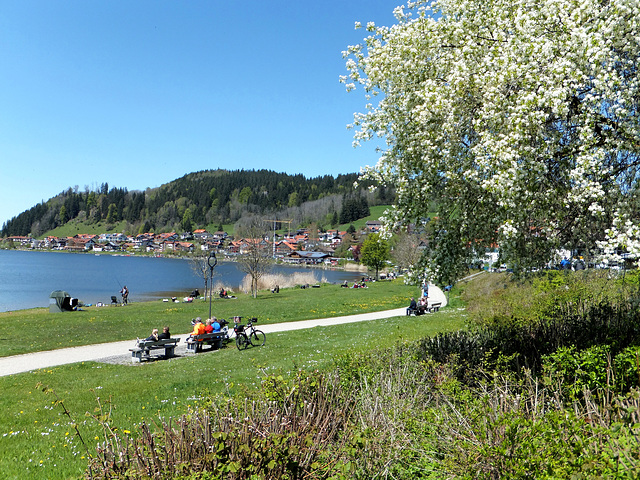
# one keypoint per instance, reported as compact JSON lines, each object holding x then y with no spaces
{"x":200,"y":199}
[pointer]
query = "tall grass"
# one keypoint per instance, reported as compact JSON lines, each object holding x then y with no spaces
{"x":498,"y":298}
{"x":398,"y":419}
{"x":270,"y":280}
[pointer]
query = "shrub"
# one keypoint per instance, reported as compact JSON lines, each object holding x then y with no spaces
{"x":287,"y":432}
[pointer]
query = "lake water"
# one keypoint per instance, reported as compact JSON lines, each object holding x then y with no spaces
{"x":27,"y":278}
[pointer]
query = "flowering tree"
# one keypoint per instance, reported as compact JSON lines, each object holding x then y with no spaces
{"x":520,"y":119}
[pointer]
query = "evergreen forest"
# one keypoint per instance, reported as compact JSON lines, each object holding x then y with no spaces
{"x":205,"y":199}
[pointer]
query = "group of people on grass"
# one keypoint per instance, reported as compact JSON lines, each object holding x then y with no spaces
{"x":224,"y":294}
{"x":355,"y":285}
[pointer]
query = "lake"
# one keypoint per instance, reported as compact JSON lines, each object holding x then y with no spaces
{"x":27,"y":278}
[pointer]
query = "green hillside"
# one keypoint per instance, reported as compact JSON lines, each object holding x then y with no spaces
{"x":208,"y":199}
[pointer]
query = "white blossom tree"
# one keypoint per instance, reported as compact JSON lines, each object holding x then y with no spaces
{"x":520,"y":119}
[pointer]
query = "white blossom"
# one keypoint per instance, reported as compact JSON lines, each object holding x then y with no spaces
{"x":519,"y":118}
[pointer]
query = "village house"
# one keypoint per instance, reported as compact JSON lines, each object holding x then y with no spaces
{"x":284,"y":248}
{"x":80,"y":243}
{"x":165,"y":237}
{"x":212,"y":245}
{"x":373,"y":226}
{"x":183,"y":247}
{"x":22,"y":241}
{"x":202,"y":235}
{"x":307,"y":257}
{"x":112,"y":237}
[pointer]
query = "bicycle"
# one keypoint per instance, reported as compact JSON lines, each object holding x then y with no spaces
{"x":248,"y":335}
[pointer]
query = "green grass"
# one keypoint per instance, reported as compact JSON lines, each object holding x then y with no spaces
{"x":375,"y":213}
{"x":38,"y":441}
{"x":99,"y":324}
{"x":75,"y":227}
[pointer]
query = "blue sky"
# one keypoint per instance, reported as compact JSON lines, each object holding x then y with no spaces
{"x":140,"y":93}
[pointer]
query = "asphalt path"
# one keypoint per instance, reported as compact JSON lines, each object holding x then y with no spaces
{"x":89,"y":353}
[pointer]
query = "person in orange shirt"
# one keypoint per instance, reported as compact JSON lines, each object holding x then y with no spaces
{"x":198,"y":327}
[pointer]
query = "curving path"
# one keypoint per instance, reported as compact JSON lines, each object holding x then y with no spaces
{"x":51,"y":358}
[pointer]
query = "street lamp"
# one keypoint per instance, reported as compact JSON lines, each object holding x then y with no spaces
{"x":212,"y":261}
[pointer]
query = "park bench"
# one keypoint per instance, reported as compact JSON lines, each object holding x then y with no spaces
{"x":434,"y":307}
{"x":143,"y":348}
{"x":215,"y":340}
{"x":421,"y":310}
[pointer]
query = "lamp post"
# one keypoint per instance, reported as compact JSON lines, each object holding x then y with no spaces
{"x":212,"y":261}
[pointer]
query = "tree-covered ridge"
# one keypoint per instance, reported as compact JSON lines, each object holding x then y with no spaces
{"x":210,"y":197}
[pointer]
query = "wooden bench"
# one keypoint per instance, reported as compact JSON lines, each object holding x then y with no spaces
{"x":421,"y":310}
{"x":144,"y":347}
{"x":434,"y":307}
{"x":215,"y":340}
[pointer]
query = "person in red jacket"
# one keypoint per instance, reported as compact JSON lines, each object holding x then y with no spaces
{"x":208,"y":328}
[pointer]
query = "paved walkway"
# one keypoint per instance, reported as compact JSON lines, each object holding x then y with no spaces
{"x":64,"y":356}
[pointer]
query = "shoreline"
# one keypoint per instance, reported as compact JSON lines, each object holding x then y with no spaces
{"x":27,"y":280}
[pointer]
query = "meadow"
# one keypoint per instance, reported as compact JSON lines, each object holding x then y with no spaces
{"x":100,"y":324}
{"x":51,"y":418}
{"x":514,"y":379}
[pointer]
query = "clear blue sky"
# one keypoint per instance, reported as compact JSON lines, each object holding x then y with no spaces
{"x":140,"y":93}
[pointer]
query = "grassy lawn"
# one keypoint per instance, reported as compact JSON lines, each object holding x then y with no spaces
{"x":101,"y":324}
{"x":39,"y":441}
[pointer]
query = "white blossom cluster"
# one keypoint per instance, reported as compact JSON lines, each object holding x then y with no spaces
{"x":622,"y":241}
{"x":530,"y":107}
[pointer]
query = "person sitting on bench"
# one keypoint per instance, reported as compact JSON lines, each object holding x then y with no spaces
{"x":165,"y":335}
{"x":413,"y":306}
{"x":153,"y":337}
{"x":215,"y":324}
{"x":207,"y":326}
{"x":198,"y":327}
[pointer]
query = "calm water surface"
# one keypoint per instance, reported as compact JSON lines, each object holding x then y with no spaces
{"x":28,"y":278}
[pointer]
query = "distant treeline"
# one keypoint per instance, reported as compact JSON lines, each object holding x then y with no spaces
{"x":210,"y":197}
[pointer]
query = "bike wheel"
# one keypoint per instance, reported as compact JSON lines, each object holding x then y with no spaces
{"x":242,"y":341}
{"x":257,"y":338}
